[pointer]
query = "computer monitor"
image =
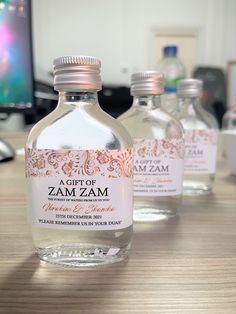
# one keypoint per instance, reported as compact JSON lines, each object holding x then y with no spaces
{"x":16,"y":61}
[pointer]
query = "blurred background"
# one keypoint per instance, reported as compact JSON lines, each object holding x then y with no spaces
{"x":127,"y":35}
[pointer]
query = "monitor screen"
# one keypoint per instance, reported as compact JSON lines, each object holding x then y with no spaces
{"x":16,"y":67}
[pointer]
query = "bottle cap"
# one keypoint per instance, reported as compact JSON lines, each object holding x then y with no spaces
{"x":147,"y":83}
{"x":170,"y":51}
{"x":189,"y":88}
{"x":75,"y":73}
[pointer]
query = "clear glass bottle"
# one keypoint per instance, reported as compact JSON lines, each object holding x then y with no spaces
{"x":201,"y":133}
{"x":173,"y":70}
{"x":229,"y":119}
{"x":158,"y":150}
{"x":228,"y":125}
{"x":79,"y":174}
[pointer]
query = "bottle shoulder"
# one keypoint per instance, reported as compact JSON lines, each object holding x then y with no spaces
{"x":151,"y":123}
{"x":88,"y":127}
{"x":199,"y":119}
{"x":156,"y":114}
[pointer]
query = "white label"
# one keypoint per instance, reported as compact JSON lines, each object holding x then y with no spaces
{"x":158,"y":167}
{"x":80,"y":190}
{"x":200,"y":151}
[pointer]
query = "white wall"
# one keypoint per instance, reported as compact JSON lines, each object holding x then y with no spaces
{"x":229,"y":38}
{"x":120,"y":32}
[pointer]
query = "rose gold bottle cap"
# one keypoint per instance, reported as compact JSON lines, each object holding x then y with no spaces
{"x":147,"y":83}
{"x":189,"y":88}
{"x":77,"y":73}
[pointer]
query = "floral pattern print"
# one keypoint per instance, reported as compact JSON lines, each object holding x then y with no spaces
{"x":168,"y":148}
{"x":204,"y":137}
{"x":115,"y":163}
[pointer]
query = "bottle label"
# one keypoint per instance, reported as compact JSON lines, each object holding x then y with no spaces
{"x":80,"y":190}
{"x":200,"y":151}
{"x":170,"y":84}
{"x":158,"y":167}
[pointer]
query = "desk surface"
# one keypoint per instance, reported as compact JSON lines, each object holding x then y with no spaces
{"x":184,"y":266}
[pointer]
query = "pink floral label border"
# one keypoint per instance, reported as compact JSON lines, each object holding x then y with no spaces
{"x":70,"y":163}
{"x":205,"y":137}
{"x":154,"y":148}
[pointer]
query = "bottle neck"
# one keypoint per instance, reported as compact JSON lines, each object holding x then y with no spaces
{"x":78,"y":98}
{"x":147,"y":102}
{"x":189,"y":105}
{"x":170,"y":56}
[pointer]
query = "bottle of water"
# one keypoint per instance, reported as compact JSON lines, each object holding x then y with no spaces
{"x":201,"y":132}
{"x":173,"y":70}
{"x":229,"y":119}
{"x":79,"y":174}
{"x":158,"y":150}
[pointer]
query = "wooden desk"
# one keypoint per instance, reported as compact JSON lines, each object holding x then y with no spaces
{"x":184,"y":266}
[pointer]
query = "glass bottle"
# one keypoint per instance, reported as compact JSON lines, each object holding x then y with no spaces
{"x":201,"y":134}
{"x":173,"y":70}
{"x":158,"y":150}
{"x":229,"y":119}
{"x":79,"y":174}
{"x":228,"y":126}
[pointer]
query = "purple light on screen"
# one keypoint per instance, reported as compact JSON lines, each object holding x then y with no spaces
{"x":5,"y":35}
{"x":6,"y":38}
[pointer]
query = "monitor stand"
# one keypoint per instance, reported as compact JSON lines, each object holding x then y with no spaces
{"x":9,"y":122}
